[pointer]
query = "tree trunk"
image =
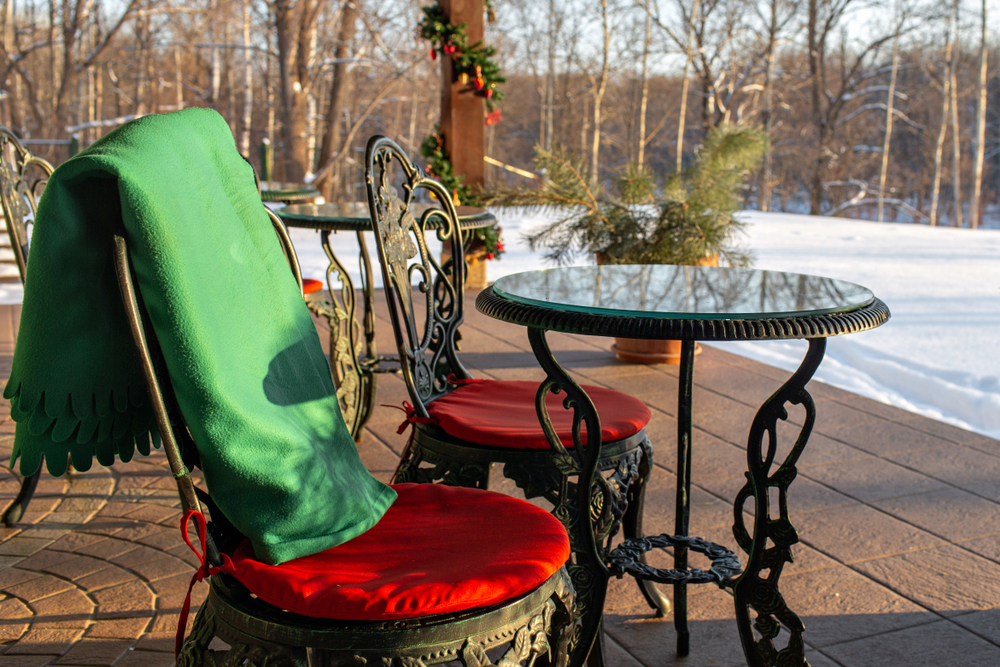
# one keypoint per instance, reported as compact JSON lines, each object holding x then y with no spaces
{"x":216,"y":58}
{"x":289,"y":22}
{"x":685,"y":86}
{"x":550,"y":79}
{"x":247,"y":83}
{"x":98,"y":99}
{"x":599,"y":89}
{"x":976,"y":211}
{"x":942,"y":132}
{"x":645,"y":92}
{"x":819,"y":120}
{"x":764,"y":196}
{"x":956,"y":149}
{"x":888,"y":125}
{"x":178,"y":80}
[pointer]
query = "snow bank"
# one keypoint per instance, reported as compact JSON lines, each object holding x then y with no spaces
{"x":936,"y":355}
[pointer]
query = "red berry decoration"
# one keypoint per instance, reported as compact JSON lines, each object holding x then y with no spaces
{"x":489,"y":255}
{"x":434,"y":55}
{"x":489,"y":93}
{"x":479,"y":83}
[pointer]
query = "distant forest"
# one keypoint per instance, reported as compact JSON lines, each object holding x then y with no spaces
{"x":861,"y":98}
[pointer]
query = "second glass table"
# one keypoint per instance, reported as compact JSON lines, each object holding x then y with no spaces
{"x":692,"y":304}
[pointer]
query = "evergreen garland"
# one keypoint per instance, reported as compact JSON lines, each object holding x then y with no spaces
{"x":471,"y":63}
{"x":439,"y":167}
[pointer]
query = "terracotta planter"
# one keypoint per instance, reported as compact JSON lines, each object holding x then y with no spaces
{"x":475,"y":264}
{"x":643,"y":351}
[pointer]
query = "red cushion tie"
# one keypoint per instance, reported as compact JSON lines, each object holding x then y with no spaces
{"x":411,"y":418}
{"x":203,"y":572}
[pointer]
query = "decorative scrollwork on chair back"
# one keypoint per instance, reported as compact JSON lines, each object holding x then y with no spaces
{"x":426,"y":341}
{"x":22,"y":178}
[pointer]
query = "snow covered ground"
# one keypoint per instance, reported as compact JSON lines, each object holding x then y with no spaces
{"x":938,"y":354}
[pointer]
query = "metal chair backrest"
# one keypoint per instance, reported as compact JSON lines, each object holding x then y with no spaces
{"x":173,"y":433}
{"x":22,"y":178}
{"x":425,"y":336}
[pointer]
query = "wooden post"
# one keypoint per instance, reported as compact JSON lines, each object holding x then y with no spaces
{"x":463,"y":126}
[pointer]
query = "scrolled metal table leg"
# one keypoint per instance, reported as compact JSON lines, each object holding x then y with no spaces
{"x":369,"y":366}
{"x":586,"y":508}
{"x":751,"y":589}
{"x":345,"y":348}
{"x":16,"y":509}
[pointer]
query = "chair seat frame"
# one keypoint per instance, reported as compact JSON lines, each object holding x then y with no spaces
{"x":254,"y":628}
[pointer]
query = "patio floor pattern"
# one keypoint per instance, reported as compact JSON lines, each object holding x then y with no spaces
{"x":898,"y":515}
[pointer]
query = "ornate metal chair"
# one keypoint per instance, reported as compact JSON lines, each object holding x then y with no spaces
{"x":22,"y":178}
{"x":461,"y":425}
{"x":269,"y":615}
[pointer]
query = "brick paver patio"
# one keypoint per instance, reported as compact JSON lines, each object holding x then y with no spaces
{"x":899,"y":518}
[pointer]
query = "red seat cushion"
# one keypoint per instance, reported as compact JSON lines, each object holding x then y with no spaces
{"x":437,"y":550}
{"x":502,"y":414}
{"x":310,"y":285}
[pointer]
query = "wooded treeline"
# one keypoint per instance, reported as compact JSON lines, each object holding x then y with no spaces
{"x":859,"y":98}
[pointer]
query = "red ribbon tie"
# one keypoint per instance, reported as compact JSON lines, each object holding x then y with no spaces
{"x":203,"y":572}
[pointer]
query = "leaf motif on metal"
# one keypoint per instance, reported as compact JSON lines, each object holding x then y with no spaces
{"x":474,"y":655}
{"x":399,"y":246}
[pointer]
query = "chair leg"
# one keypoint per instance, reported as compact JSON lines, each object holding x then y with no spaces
{"x":632,"y":527}
{"x":16,"y":509}
{"x":596,"y":657}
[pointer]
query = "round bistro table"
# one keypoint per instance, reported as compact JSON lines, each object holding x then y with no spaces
{"x":355,"y":362}
{"x":289,"y":193}
{"x":692,"y":304}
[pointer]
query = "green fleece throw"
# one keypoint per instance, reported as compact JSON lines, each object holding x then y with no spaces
{"x":240,"y":346}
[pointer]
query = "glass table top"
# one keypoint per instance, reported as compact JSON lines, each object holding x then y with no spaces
{"x":682,"y":292}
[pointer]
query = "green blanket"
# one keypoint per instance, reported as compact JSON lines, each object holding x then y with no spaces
{"x":240,"y":346}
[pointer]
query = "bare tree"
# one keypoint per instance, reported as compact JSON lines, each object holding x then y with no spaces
{"x":956,"y":149}
{"x":645,"y":86}
{"x":833,"y":85}
{"x":943,"y":127}
{"x":295,"y":21}
{"x":889,"y":103}
{"x":599,"y":84}
{"x":338,"y":88}
{"x":777,"y":16}
{"x":975,"y":208}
